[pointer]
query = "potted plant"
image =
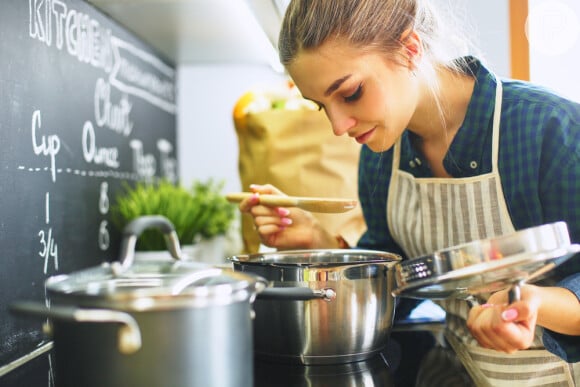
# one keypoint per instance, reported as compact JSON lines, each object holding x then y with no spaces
{"x":199,"y":214}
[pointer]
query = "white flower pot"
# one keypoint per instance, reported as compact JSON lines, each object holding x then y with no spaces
{"x":212,"y":251}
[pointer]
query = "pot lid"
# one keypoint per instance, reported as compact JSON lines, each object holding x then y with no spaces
{"x":153,"y":283}
{"x":316,"y":257}
{"x":485,"y":266}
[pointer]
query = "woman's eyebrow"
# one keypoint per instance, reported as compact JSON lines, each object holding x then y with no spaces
{"x":336,"y":84}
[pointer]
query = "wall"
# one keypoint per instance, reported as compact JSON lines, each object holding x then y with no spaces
{"x":555,"y":45}
{"x":207,"y":141}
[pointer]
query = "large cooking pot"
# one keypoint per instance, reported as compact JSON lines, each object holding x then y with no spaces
{"x":348,"y":317}
{"x":156,"y":322}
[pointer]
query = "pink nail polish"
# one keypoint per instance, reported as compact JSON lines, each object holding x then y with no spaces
{"x":283,"y":211}
{"x":286,"y":221}
{"x":509,"y":314}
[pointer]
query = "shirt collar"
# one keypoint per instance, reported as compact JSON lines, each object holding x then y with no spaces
{"x":467,"y":155}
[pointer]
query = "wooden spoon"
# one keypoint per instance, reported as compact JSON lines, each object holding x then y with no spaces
{"x":326,"y":205}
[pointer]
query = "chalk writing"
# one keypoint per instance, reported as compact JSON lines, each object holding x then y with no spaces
{"x":114,"y":116}
{"x":49,"y":248}
{"x":88,"y":41}
{"x":104,"y":198}
{"x":168,"y":164}
{"x":143,"y":164}
{"x":82,"y":35}
{"x":92,"y":154}
{"x":51,"y":381}
{"x":104,"y":240}
{"x":158,"y":88}
{"x":48,"y":145}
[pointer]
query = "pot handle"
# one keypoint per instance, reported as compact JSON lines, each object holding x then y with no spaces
{"x":182,"y":283}
{"x":134,"y":229}
{"x":514,"y":294}
{"x":297,"y":294}
{"x":129,"y":333}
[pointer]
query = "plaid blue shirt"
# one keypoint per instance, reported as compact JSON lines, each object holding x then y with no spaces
{"x":539,"y":165}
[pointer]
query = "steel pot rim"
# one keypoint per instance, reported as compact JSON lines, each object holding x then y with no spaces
{"x":311,"y":258}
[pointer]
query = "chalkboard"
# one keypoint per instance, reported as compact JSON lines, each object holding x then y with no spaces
{"x":84,"y":106}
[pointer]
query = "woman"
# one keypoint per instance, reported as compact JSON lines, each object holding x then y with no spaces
{"x":450,"y":154}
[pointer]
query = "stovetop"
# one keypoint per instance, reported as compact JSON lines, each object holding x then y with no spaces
{"x":372,"y":372}
{"x":411,"y":357}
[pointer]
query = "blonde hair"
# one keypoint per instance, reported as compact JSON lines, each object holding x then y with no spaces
{"x":368,"y":24}
{"x":377,"y":25}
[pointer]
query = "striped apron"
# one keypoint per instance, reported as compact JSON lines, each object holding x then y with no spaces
{"x":428,"y":214}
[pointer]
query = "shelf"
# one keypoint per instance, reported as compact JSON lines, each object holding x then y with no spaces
{"x":202,"y":31}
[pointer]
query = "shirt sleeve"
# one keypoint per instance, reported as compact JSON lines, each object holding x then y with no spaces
{"x":565,"y":346}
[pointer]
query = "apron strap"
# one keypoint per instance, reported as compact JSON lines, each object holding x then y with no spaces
{"x":496,"y":125}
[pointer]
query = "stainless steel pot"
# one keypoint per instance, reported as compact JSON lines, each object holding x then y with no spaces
{"x":157,"y":322}
{"x":348,"y":316}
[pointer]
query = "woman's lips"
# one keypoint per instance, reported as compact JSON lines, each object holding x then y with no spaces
{"x":363,"y":138}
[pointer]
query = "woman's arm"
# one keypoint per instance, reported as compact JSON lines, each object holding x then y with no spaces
{"x":559,"y":310}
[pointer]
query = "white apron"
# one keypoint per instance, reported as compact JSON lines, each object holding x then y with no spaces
{"x":428,"y":214}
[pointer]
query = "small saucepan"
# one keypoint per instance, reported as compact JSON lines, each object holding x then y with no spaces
{"x":322,"y":306}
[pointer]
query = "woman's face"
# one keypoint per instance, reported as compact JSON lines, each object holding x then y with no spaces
{"x":364,"y":94}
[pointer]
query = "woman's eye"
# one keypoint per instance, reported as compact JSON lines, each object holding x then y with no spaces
{"x":354,"y":96}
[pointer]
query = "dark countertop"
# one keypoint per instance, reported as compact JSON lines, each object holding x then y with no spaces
{"x":414,"y":356}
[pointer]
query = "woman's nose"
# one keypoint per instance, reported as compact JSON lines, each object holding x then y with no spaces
{"x":341,"y":122}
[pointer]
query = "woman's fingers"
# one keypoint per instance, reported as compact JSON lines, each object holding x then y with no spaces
{"x":269,"y":225}
{"x":505,"y":328}
{"x":283,"y":228}
{"x":268,"y":220}
{"x":248,"y":204}
{"x":266,"y":189}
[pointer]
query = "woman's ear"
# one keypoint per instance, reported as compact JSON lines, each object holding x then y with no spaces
{"x":412,"y":47}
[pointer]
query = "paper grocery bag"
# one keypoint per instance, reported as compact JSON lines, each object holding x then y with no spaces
{"x":296,"y":151}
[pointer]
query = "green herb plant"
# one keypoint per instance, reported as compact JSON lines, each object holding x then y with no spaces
{"x":198,"y":212}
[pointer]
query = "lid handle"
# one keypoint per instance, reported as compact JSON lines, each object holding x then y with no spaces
{"x":134,"y":229}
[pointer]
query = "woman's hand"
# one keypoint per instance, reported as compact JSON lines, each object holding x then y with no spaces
{"x":507,"y":328}
{"x":285,"y":228}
